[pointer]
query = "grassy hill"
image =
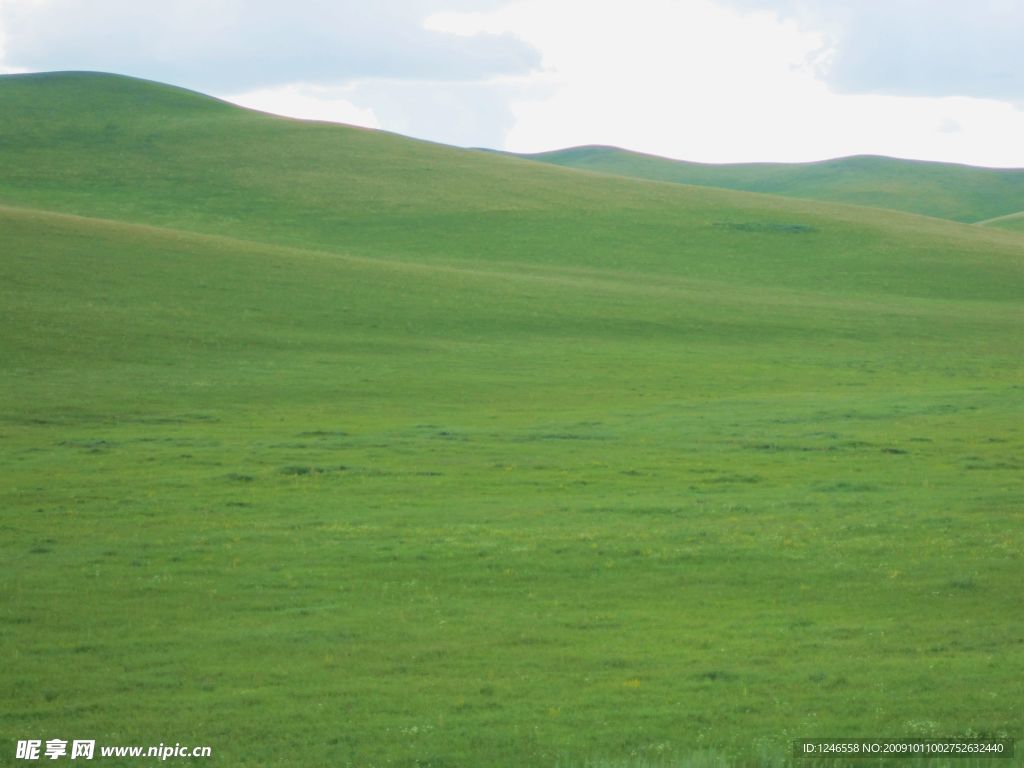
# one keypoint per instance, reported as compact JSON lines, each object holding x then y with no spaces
{"x":958,"y":192}
{"x":1013,"y":221}
{"x":326,"y":446}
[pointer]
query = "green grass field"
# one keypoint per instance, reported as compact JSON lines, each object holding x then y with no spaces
{"x":944,"y":190}
{"x":327,"y":447}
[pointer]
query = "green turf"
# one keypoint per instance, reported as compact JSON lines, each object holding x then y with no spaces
{"x":380,"y":453}
{"x":958,"y":192}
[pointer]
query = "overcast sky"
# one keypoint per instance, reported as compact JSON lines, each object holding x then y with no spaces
{"x":709,"y":80}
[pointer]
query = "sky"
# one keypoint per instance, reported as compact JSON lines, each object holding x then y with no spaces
{"x":704,"y":80}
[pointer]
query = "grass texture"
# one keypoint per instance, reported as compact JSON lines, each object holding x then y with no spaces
{"x":323,"y":446}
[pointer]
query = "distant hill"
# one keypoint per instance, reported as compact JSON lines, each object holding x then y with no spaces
{"x":130,"y":150}
{"x":958,"y":192}
{"x":1013,"y":221}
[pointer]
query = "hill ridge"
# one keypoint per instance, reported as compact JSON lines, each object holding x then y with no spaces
{"x":249,"y":176}
{"x":959,"y":192}
{"x":583,"y":148}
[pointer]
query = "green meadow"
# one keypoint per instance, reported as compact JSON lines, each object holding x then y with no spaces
{"x":327,"y":447}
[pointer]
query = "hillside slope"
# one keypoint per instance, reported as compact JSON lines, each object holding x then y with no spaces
{"x":116,"y":148}
{"x":948,"y":191}
{"x":1012,"y":221}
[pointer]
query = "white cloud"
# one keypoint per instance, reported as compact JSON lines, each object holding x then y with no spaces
{"x":916,"y":47}
{"x":710,"y":80}
{"x":705,"y":81}
{"x":235,"y":45}
{"x":463,"y":114}
{"x":4,"y":69}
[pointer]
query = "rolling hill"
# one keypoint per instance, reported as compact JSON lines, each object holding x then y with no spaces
{"x":957,"y":192}
{"x":1012,"y":221}
{"x":326,"y":446}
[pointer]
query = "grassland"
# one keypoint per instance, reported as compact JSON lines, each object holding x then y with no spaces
{"x":327,"y":447}
{"x":945,"y":190}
